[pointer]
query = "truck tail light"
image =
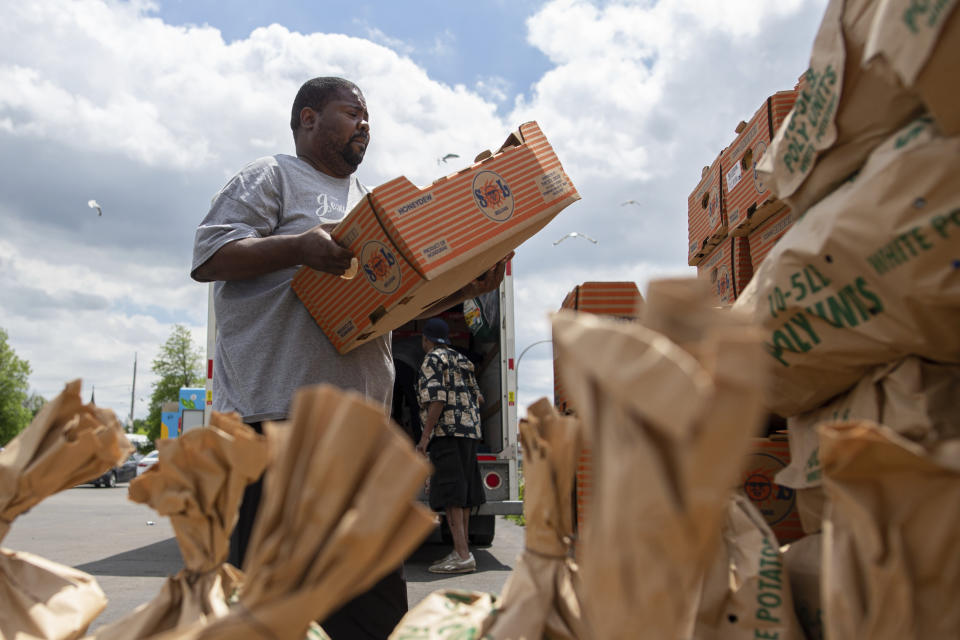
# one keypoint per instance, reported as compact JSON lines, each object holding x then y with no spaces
{"x":492,"y":480}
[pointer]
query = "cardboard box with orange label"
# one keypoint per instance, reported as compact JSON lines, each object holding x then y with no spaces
{"x":416,"y":246}
{"x":727,"y":269}
{"x":706,"y":214}
{"x":768,"y":233}
{"x":748,"y":202}
{"x":777,"y":503}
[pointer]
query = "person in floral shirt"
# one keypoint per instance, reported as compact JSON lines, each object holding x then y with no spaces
{"x":450,"y":412}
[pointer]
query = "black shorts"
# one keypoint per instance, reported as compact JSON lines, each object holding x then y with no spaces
{"x":456,"y":476}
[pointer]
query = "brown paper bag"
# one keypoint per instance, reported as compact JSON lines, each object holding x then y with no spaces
{"x":890,"y":563}
{"x":867,"y":276}
{"x":746,"y":592}
{"x":669,"y":432}
{"x":543,"y":596}
{"x":920,"y":43}
{"x":66,"y":444}
{"x":338,"y":512}
{"x":198,"y":482}
{"x":44,"y":599}
{"x":914,"y":397}
{"x":841,"y":114}
{"x":803,"y":560}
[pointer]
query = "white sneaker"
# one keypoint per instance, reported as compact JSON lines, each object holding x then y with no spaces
{"x":450,"y":556}
{"x":454,"y":565}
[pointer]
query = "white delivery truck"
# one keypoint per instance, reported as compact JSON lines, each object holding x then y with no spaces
{"x":484,"y":330}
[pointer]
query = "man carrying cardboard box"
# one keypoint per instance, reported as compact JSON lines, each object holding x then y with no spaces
{"x":272,"y":217}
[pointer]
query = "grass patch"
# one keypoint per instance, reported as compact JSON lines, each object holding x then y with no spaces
{"x":519,"y":519}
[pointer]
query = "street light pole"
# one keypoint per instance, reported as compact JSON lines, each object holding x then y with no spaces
{"x":520,"y":357}
{"x":133,"y":389}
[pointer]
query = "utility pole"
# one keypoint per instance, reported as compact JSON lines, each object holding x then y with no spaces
{"x":133,"y":388}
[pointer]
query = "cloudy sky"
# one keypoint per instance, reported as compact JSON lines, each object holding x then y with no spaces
{"x":148,"y":107}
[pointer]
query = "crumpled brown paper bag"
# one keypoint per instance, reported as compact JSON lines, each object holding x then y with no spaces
{"x":66,"y":444}
{"x":842,"y":111}
{"x":198,"y":482}
{"x":669,"y":431}
{"x":543,"y":596}
{"x":338,"y":512}
{"x":803,"y":561}
{"x":916,"y":398}
{"x":746,"y":592}
{"x":867,"y":276}
{"x":920,"y":43}
{"x":891,"y":568}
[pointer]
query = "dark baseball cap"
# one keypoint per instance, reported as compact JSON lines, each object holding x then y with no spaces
{"x":436,"y":330}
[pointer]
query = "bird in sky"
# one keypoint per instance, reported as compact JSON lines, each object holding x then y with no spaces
{"x":449,"y":156}
{"x":623,"y":204}
{"x":575,"y":234}
{"x":93,"y":205}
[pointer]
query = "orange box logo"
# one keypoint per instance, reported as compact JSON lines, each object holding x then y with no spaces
{"x":493,"y":196}
{"x":380,"y":266}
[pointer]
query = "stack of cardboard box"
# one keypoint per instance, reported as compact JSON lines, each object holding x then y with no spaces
{"x":731,"y":209}
{"x":860,"y":304}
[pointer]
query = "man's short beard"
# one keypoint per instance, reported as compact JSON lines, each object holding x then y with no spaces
{"x":350,"y":156}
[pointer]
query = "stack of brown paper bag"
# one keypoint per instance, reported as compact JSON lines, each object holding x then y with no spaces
{"x":669,"y":426}
{"x":68,"y":443}
{"x":844,"y":108}
{"x":860,"y":304}
{"x":198,"y":482}
{"x":868,"y":276}
{"x":338,"y":512}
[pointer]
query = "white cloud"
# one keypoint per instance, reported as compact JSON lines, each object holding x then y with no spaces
{"x":398,"y":45}
{"x":493,"y":88}
{"x":443,"y":43}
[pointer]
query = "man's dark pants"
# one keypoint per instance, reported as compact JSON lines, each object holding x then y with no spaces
{"x":370,"y":616}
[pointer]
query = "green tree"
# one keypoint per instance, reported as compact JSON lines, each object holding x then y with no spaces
{"x":14,"y":416}
{"x":34,"y":403}
{"x":180,"y":364}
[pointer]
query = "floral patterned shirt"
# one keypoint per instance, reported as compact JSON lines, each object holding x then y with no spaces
{"x":447,"y":376}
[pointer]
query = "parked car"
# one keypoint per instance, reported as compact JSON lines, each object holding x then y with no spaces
{"x":147,"y":461}
{"x":122,"y":473}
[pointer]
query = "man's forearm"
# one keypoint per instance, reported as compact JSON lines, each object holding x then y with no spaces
{"x":251,"y":257}
{"x":433,"y":416}
{"x":485,"y":282}
{"x":452,"y":300}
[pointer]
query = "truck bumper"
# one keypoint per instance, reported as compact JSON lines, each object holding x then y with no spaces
{"x":504,"y":508}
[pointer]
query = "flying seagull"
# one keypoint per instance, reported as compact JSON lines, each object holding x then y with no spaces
{"x":449,"y":156}
{"x":93,"y":205}
{"x":575,"y":234}
{"x":623,"y":204}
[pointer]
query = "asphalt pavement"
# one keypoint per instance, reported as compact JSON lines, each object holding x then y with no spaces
{"x":130,"y":550}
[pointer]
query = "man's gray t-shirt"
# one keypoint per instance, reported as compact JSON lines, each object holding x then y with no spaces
{"x":268,"y":345}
